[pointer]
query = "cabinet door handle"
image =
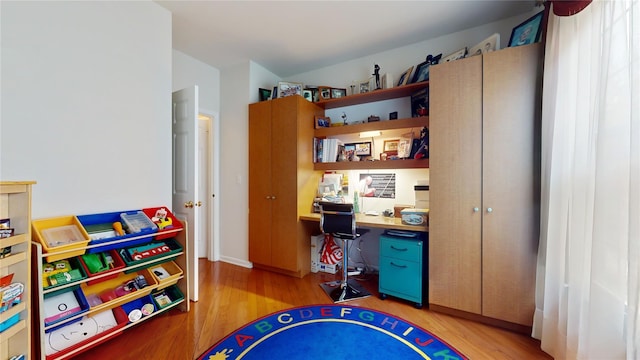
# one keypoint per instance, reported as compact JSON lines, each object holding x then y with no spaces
{"x":475,"y":209}
{"x":396,"y":265}
{"x":489,"y":210}
{"x":268,"y":197}
{"x":398,"y":249}
{"x":273,"y":197}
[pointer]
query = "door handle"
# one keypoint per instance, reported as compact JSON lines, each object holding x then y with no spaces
{"x":188,"y":204}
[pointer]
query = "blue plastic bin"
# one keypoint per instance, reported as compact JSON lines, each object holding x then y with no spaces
{"x":110,"y":218}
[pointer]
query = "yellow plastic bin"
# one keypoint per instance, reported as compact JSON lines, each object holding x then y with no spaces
{"x":166,"y":274}
{"x":64,"y":236}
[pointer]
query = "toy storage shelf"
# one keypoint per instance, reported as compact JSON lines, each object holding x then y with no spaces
{"x":179,"y":257}
{"x":15,"y":205}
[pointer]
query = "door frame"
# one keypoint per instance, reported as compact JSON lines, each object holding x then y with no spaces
{"x":213,"y":248}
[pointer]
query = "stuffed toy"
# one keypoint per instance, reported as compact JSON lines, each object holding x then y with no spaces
{"x":423,"y":149}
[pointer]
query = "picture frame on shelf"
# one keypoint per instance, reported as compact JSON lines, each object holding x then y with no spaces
{"x":289,"y":88}
{"x":322,"y":122}
{"x":274,"y":93}
{"x":422,"y":70}
{"x":364,"y":86}
{"x":360,"y":148}
{"x":324,"y":93}
{"x":264,"y":94}
{"x":527,"y":32}
{"x":404,"y":146}
{"x":456,"y":55}
{"x":390,"y":147}
{"x":404,"y":77}
{"x":386,"y":81}
{"x":492,"y":43}
{"x":308,"y":95}
{"x":337,"y":93}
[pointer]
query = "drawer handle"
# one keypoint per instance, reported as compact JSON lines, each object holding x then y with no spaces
{"x":395,"y":248}
{"x":396,"y":265}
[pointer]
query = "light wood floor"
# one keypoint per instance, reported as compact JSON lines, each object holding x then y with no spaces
{"x":231,"y":296}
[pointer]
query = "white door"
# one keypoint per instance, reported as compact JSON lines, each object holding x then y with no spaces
{"x":185,"y":202}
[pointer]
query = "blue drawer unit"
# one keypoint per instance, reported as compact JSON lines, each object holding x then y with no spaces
{"x":403,"y":258}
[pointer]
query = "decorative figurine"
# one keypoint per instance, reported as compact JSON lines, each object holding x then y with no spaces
{"x":376,"y":73}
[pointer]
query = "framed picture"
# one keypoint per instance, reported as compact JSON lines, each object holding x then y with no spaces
{"x":422,"y":72}
{"x":288,"y":88}
{"x":360,"y":149}
{"x":324,"y":93}
{"x":386,"y":81}
{"x":364,"y":86}
{"x":265,"y":94}
{"x":322,"y":122}
{"x":492,"y":43}
{"x":404,"y":77}
{"x":391,"y":147}
{"x":528,"y":32}
{"x":455,"y":55}
{"x":404,"y":147}
{"x":307,"y":94}
{"x":338,"y":93}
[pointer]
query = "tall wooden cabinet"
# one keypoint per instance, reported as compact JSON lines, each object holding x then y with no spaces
{"x":15,"y":205}
{"x":282,"y":183}
{"x":484,"y":186}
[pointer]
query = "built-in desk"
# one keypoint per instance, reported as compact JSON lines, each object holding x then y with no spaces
{"x":378,"y":221}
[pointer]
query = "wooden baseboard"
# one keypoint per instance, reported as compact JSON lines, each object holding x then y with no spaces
{"x":518,"y":328}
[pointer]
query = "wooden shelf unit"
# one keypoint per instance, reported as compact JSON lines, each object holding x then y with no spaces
{"x":377,"y":125}
{"x":15,"y":204}
{"x":373,"y":96}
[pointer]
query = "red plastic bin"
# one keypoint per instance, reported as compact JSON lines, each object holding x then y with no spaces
{"x":121,"y":320}
{"x":162,"y":233}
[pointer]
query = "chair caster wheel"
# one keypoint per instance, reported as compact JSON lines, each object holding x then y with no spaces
{"x":418,"y":305}
{"x":383,"y":296}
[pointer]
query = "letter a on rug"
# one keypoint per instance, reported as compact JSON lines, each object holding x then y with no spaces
{"x":331,"y":332}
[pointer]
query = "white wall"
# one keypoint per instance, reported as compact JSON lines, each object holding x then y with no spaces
{"x":86,"y":94}
{"x":234,"y":170}
{"x":188,"y":71}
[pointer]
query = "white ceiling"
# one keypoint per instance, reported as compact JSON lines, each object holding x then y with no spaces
{"x":292,"y":37}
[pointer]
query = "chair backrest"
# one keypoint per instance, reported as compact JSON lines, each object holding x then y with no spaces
{"x":337,"y":218}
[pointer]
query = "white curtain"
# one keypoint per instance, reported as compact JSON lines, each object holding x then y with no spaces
{"x":587,"y":296}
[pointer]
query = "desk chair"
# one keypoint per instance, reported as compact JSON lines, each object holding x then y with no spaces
{"x":339,"y":220}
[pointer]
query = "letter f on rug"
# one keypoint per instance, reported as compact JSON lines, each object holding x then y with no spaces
{"x":331,"y":332}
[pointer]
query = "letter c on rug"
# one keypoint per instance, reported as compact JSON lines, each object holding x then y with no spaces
{"x":285,"y":318}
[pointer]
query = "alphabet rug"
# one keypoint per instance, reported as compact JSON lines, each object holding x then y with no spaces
{"x":331,"y":332}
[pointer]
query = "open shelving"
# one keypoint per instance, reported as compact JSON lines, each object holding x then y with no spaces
{"x":37,"y":256}
{"x":373,"y":96}
{"x":15,"y":204}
